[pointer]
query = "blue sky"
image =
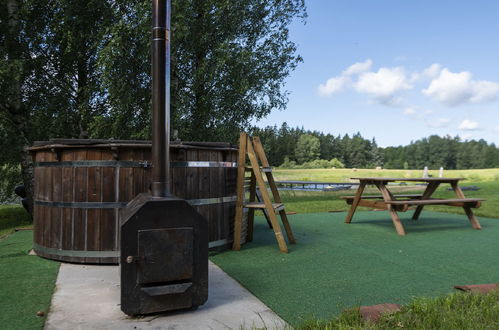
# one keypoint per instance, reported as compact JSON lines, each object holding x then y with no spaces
{"x":396,"y":70}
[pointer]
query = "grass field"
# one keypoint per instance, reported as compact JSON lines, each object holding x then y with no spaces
{"x":453,"y":311}
{"x":12,"y":216}
{"x":344,"y":175}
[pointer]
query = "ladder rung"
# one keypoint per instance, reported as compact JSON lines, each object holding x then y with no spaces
{"x":262,"y":169}
{"x":256,"y":205}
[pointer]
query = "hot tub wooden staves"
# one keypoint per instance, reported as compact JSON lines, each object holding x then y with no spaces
{"x":81,"y":184}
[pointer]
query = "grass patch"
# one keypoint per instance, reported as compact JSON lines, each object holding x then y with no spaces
{"x":336,"y":266}
{"x":454,"y":311}
{"x":344,"y":174}
{"x":11,"y":217}
{"x":27,"y":283}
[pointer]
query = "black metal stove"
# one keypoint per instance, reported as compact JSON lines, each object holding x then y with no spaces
{"x":164,"y":256}
{"x":164,"y":240}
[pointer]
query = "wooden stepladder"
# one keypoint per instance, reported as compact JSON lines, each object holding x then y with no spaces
{"x":252,"y":147}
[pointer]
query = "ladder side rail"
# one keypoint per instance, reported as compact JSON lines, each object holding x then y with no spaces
{"x":241,"y":161}
{"x":266,"y":198}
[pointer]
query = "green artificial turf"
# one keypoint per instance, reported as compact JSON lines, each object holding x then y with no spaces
{"x":335,"y":266}
{"x":26,"y":283}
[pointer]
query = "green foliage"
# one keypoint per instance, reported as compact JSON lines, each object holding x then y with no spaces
{"x":229,"y":62}
{"x":279,"y":143}
{"x":55,"y":89}
{"x":288,"y":163}
{"x":316,"y":163}
{"x":307,"y":148}
{"x":79,"y":69}
{"x":10,"y":176}
{"x":448,"y":152}
{"x":125,"y":64}
{"x":336,"y":163}
{"x":358,"y":152}
{"x":11,"y":217}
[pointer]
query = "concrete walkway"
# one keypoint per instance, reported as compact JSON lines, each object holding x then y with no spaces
{"x":88,"y":297}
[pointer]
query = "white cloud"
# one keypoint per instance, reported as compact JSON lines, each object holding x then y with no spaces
{"x":339,"y":83}
{"x":468,"y":125}
{"x":409,"y":111}
{"x":438,"y":123}
{"x":358,"y":68}
{"x":496,"y":129}
{"x":432,"y":71}
{"x":454,"y":89}
{"x":484,"y":91}
{"x":384,"y":84}
{"x":333,"y":85}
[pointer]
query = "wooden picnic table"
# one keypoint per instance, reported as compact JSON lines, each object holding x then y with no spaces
{"x":394,"y":203}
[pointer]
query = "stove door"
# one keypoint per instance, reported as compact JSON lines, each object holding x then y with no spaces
{"x":165,"y":255}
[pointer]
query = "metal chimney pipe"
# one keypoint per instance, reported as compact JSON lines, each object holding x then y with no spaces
{"x":160,"y":186}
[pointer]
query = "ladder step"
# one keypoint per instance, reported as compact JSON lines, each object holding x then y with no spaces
{"x":262,"y":169}
{"x":255,"y":205}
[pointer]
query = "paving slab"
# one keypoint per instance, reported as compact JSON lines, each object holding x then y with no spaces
{"x":88,"y":297}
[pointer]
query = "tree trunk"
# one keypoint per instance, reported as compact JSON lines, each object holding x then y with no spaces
{"x":28,"y":179}
{"x":82,"y":99}
{"x":15,"y":108}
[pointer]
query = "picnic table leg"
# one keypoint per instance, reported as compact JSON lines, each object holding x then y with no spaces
{"x":459,"y":193}
{"x":430,"y":189}
{"x":387,"y":196}
{"x":355,"y":202}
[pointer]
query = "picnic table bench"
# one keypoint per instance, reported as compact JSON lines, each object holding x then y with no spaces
{"x":401,"y":202}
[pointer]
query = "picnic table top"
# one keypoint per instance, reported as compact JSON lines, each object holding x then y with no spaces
{"x":315,"y":182}
{"x":381,"y":179}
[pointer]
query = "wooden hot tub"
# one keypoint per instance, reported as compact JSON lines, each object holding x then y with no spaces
{"x":81,"y":184}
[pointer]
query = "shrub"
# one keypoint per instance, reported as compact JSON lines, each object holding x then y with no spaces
{"x":317,"y":163}
{"x":10,"y":176}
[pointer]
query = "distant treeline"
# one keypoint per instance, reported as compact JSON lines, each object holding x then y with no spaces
{"x":295,"y":146}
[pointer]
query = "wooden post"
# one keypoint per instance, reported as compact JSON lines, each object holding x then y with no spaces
{"x":241,"y":162}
